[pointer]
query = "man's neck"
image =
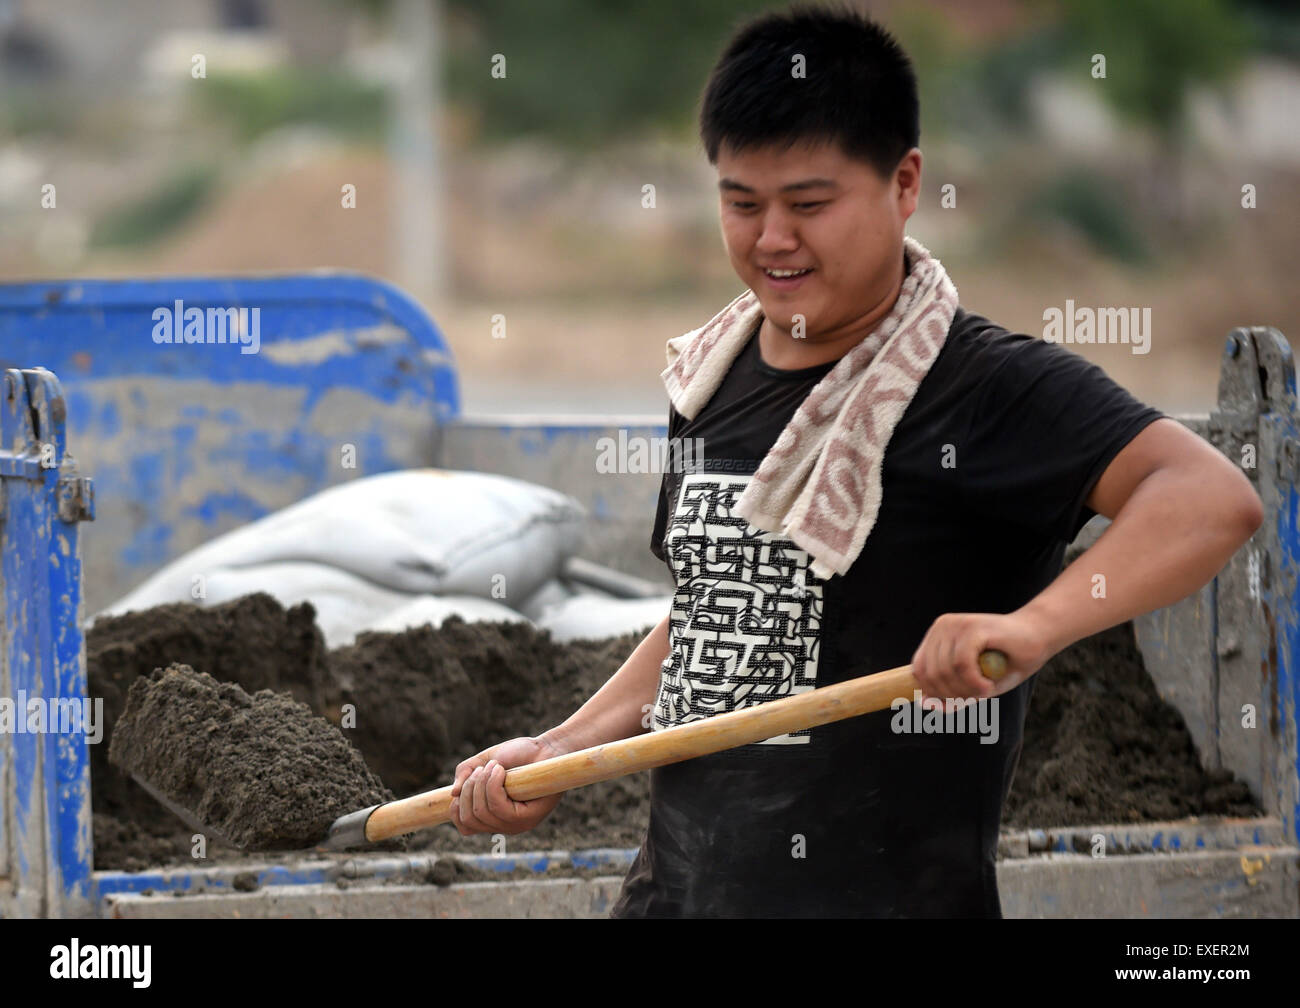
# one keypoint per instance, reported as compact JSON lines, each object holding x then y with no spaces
{"x":779,"y":349}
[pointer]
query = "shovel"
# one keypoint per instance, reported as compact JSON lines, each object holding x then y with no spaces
{"x":643,"y":752}
{"x":625,"y":756}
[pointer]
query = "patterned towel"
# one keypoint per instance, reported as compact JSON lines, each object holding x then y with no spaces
{"x":819,"y":485}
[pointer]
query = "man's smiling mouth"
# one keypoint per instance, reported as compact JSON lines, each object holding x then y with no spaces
{"x":786,"y":277}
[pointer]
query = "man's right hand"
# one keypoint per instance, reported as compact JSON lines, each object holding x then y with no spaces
{"x":479,"y":801}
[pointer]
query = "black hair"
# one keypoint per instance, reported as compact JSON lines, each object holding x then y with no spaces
{"x":859,"y":90}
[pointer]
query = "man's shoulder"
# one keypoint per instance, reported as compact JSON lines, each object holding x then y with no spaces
{"x":976,"y":347}
{"x":982,"y":350}
{"x":971,"y":332}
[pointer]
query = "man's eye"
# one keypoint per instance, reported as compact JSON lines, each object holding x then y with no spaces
{"x":739,"y":205}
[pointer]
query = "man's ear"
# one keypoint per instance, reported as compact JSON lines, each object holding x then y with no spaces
{"x":907,"y":176}
{"x":909,"y":170}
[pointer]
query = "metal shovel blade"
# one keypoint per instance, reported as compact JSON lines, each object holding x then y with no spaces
{"x":346,"y":831}
{"x":185,"y":815}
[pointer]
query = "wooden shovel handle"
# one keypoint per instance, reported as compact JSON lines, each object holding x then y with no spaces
{"x":672,"y":745}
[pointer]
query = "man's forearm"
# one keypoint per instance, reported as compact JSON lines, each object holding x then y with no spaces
{"x":1171,"y":537}
{"x":618,"y":709}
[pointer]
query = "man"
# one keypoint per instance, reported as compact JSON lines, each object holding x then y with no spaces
{"x":804,"y":553}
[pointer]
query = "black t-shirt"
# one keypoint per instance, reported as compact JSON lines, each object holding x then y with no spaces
{"x":983,"y":483}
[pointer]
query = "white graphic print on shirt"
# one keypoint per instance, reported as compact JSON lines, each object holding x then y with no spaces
{"x":747,"y":611}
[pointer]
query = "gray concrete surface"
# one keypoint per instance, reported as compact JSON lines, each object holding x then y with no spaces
{"x":1250,"y":881}
{"x":550,"y":898}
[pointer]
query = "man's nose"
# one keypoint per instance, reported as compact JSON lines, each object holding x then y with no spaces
{"x":778,"y":232}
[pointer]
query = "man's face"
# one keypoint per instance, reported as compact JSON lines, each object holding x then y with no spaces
{"x":813,"y":208}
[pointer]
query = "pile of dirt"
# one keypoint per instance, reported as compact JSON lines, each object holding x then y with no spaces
{"x":260,"y":770}
{"x":1100,"y":745}
{"x":252,"y":641}
{"x":415,"y":704}
{"x":125,"y":844}
{"x":426,"y":699}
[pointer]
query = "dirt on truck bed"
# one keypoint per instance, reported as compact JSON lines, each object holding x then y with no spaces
{"x":1100,"y":745}
{"x":259,"y":769}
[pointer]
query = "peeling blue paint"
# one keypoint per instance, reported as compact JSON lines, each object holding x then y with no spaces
{"x":149,"y":548}
{"x":219,"y":507}
{"x":156,"y":446}
{"x":48,"y":774}
{"x":1288,"y":616}
{"x":203,"y":877}
{"x":81,"y":405}
{"x":184,"y":438}
{"x":109,"y":421}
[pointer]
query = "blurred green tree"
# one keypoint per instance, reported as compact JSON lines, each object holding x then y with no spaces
{"x":582,"y":73}
{"x":585,"y":72}
{"x":1156,"y":52}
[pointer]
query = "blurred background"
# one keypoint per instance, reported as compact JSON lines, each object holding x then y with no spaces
{"x":498,"y":152}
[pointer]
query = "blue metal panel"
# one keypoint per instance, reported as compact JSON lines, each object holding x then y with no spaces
{"x":190,"y":439}
{"x":1288,"y":667}
{"x":45,"y":841}
{"x":1280,"y":433}
{"x":371,"y":867}
{"x":105,"y":328}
